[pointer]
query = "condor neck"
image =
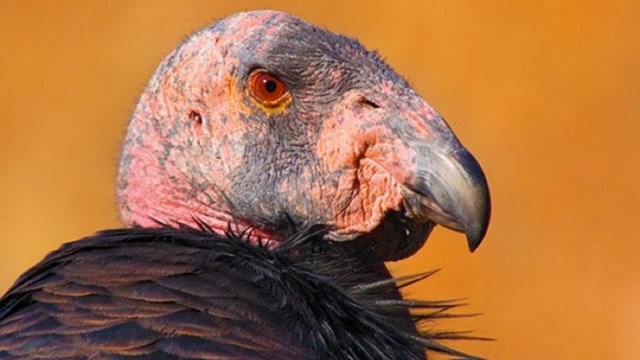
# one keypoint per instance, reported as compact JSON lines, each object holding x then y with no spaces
{"x":149,"y":198}
{"x":147,"y":212}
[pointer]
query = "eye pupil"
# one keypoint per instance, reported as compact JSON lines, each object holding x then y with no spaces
{"x":271,"y":86}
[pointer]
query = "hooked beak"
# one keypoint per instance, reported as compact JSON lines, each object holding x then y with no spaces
{"x":449,"y":188}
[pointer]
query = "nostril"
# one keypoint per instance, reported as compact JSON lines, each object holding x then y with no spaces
{"x":196,"y":118}
{"x":366,"y":102}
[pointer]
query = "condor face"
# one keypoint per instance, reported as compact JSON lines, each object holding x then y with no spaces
{"x":266,"y":121}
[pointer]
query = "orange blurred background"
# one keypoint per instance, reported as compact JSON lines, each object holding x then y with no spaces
{"x":546,"y":95}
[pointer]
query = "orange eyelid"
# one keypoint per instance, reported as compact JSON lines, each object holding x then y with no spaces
{"x":268,"y":90}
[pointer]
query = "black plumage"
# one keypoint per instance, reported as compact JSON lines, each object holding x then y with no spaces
{"x":186,"y":293}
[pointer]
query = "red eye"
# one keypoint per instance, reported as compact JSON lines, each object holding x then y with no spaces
{"x":267,"y":88}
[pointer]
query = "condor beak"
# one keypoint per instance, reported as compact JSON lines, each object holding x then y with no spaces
{"x":449,"y":188}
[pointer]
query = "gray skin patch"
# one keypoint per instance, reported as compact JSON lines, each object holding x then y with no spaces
{"x":318,"y":68}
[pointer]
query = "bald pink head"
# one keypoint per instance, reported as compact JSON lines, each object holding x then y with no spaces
{"x":349,"y":146}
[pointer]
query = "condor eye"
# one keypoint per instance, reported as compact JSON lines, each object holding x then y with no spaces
{"x":267,"y":89}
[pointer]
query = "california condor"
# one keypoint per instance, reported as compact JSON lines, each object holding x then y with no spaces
{"x":269,"y":169}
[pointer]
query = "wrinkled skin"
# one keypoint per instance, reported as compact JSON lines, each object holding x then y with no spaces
{"x":355,"y":150}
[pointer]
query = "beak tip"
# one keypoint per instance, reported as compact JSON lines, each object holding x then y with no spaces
{"x":473,"y":242}
{"x":476,"y":232}
{"x":478,"y":213}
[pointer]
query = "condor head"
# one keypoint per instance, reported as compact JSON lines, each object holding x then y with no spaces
{"x":264,"y":121}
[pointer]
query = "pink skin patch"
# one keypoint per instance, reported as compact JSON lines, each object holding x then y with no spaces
{"x":179,"y":149}
{"x":372,"y":164}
